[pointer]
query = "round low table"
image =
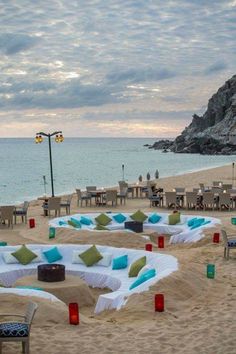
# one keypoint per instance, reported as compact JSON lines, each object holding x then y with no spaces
{"x":72,"y":289}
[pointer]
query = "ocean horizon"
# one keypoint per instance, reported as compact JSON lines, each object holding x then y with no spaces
{"x":78,"y":162}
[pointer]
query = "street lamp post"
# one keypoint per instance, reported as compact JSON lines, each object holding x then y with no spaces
{"x":58,"y":139}
{"x":123,"y":172}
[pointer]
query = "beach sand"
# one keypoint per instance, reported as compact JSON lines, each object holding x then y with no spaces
{"x":199,"y":314}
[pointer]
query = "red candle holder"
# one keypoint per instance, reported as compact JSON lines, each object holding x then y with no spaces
{"x":74,"y":313}
{"x":159,"y":302}
{"x":148,"y":247}
{"x":216,"y":237}
{"x":31,"y":223}
{"x":161,"y":241}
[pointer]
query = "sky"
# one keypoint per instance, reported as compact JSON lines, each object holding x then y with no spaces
{"x":112,"y":68}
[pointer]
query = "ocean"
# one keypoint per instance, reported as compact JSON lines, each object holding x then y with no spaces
{"x":78,"y":162}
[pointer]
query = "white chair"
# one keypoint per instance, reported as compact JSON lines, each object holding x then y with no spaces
{"x":191,"y":200}
{"x":18,"y":331}
{"x":209,"y":200}
{"x":83,"y":197}
{"x":54,"y":203}
{"x":229,"y":243}
{"x":171,"y":200}
{"x":66,"y":203}
{"x":6,"y":213}
{"x":111,"y":196}
{"x":225,"y":201}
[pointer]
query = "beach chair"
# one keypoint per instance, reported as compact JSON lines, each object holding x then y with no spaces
{"x":18,"y":331}
{"x":208,"y":200}
{"x":83,"y":197}
{"x":66,"y":203}
{"x":6,"y":213}
{"x":22,"y":211}
{"x":122,"y":194}
{"x":171,"y":200}
{"x":111,"y":196}
{"x":192,"y":200}
{"x":225,"y":201}
{"x":54,"y":203}
{"x":229,"y":243}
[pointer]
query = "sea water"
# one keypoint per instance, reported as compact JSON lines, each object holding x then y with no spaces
{"x":79,"y":162}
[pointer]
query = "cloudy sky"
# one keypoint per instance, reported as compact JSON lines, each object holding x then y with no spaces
{"x":112,"y":67}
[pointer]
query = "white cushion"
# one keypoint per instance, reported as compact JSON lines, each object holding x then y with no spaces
{"x":145,"y":269}
{"x":104,"y":262}
{"x":10,"y":259}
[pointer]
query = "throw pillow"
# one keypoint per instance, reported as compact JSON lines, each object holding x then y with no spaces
{"x":62,"y":222}
{"x":145,"y":269}
{"x":91,"y":256}
{"x":76,"y":223}
{"x":174,"y":218}
{"x":71,"y":223}
{"x":103,"y":219}
{"x":136,"y":266}
{"x":52,"y":255}
{"x":85,"y":221}
{"x":154,"y":218}
{"x":144,"y":277}
{"x":101,"y":227}
{"x":120,"y":218}
{"x":24,"y":255}
{"x":191,"y":222}
{"x":9,"y":259}
{"x":106,"y":259}
{"x":120,"y":262}
{"x":138,"y":216}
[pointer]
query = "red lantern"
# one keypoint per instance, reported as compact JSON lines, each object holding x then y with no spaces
{"x":148,"y":247}
{"x":161,"y":241}
{"x":216,"y":237}
{"x":31,"y":223}
{"x":159,"y":302}
{"x":74,"y":313}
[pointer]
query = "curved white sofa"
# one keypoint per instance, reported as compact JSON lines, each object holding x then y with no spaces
{"x":95,"y":276}
{"x":180,"y":232}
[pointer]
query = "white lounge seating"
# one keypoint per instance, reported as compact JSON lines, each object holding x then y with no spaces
{"x":180,"y":232}
{"x":95,"y":276}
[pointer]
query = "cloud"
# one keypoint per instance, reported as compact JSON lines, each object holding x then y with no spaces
{"x":12,"y":43}
{"x":216,"y":67}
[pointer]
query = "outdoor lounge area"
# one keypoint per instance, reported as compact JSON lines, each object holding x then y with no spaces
{"x":188,"y":228}
{"x":106,"y":273}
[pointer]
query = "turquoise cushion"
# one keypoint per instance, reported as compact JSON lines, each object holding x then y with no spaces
{"x":52,"y":255}
{"x":76,"y":222}
{"x":191,"y":222}
{"x":120,"y":262}
{"x":120,"y":218}
{"x":144,"y":277}
{"x":197,"y":223}
{"x":154,"y":218}
{"x":62,"y":222}
{"x":85,"y":221}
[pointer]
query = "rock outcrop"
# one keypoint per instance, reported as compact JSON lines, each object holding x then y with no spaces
{"x":215,"y":131}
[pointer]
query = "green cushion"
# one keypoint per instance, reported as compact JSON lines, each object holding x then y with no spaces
{"x":139,"y":216}
{"x":91,"y":256}
{"x":103,"y":219}
{"x":24,"y":255}
{"x":174,"y":218}
{"x":101,"y":227}
{"x":137,"y":266}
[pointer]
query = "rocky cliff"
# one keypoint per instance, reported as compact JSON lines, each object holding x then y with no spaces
{"x":215,"y":131}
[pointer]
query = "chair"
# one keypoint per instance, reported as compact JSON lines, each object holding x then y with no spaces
{"x":54,"y":203}
{"x":22,"y":211}
{"x":171,"y":200}
{"x":208,"y":200}
{"x":225,"y":201}
{"x":18,"y":331}
{"x":202,"y":186}
{"x":111,"y":196}
{"x":154,"y":198}
{"x":192,"y":200}
{"x":122,"y":194}
{"x":180,"y":197}
{"x":66,"y":203}
{"x":229,"y":243}
{"x":7,"y":213}
{"x":216,"y":190}
{"x":196,"y":190}
{"x":83,"y":197}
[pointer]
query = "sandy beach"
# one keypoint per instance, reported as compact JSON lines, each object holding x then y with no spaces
{"x":199,"y":314}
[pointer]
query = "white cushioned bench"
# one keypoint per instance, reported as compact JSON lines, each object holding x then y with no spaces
{"x":95,"y":276}
{"x":180,"y":232}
